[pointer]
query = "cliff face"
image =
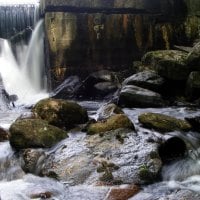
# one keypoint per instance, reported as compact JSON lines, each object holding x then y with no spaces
{"x":88,"y":35}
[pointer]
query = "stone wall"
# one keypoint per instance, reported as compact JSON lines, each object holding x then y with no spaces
{"x":88,"y":35}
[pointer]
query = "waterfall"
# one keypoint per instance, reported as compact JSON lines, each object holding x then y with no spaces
{"x":15,"y":19}
{"x":24,"y":76}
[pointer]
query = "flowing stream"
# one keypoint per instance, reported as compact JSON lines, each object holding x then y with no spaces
{"x":24,"y":75}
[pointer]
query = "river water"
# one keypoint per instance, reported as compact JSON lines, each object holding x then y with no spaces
{"x":16,"y":185}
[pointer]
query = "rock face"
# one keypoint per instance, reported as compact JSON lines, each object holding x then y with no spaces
{"x":34,"y":133}
{"x":61,"y":113}
{"x":3,"y":135}
{"x":114,"y":122}
{"x":193,"y":57}
{"x":133,"y":96}
{"x":163,"y":123}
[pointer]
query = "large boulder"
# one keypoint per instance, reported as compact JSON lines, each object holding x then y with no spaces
{"x":146,"y":79}
{"x":133,"y":96}
{"x":170,"y":64}
{"x":61,"y":113}
{"x":193,"y":85}
{"x":163,"y":123}
{"x":34,"y":133}
{"x":115,"y":157}
{"x":112,"y":123}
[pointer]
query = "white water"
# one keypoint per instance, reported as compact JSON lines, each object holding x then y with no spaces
{"x":25,"y":76}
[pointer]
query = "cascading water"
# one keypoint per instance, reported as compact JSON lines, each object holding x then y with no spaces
{"x":25,"y":76}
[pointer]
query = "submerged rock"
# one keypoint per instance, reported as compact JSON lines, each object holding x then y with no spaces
{"x":133,"y":96}
{"x":112,"y":123}
{"x":34,"y":133}
{"x":163,"y":123}
{"x":61,"y":113}
{"x":146,"y":79}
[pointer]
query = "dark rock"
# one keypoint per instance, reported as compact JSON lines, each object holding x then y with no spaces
{"x":172,"y":149}
{"x":163,"y":123}
{"x":112,"y":123}
{"x":133,"y":96}
{"x":105,"y":88}
{"x":4,"y":135}
{"x":32,"y":159}
{"x":68,"y":88}
{"x":195,"y":122}
{"x":146,"y":79}
{"x":61,"y":113}
{"x":193,"y":86}
{"x":34,"y":133}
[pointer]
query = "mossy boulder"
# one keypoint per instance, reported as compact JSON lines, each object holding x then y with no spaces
{"x":153,"y":57}
{"x":34,"y":133}
{"x":163,"y":123}
{"x":112,"y":123}
{"x":170,"y":64}
{"x":60,"y":113}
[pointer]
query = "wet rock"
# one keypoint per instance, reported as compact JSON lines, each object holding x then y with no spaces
{"x":107,"y":110}
{"x":193,"y":57}
{"x":133,"y":96}
{"x":95,"y":159}
{"x":122,"y":193}
{"x":4,"y":135}
{"x":193,"y":86}
{"x":146,"y":79}
{"x":61,"y":113}
{"x":68,"y":88}
{"x":32,"y":160}
{"x":34,"y":133}
{"x":112,"y":123}
{"x":163,"y":123}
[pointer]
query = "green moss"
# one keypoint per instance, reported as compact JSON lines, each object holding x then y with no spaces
{"x":112,"y":123}
{"x":60,"y":113}
{"x":145,"y":174}
{"x":163,"y":123}
{"x":34,"y":133}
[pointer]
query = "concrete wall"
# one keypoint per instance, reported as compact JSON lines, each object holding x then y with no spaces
{"x":87,"y":35}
